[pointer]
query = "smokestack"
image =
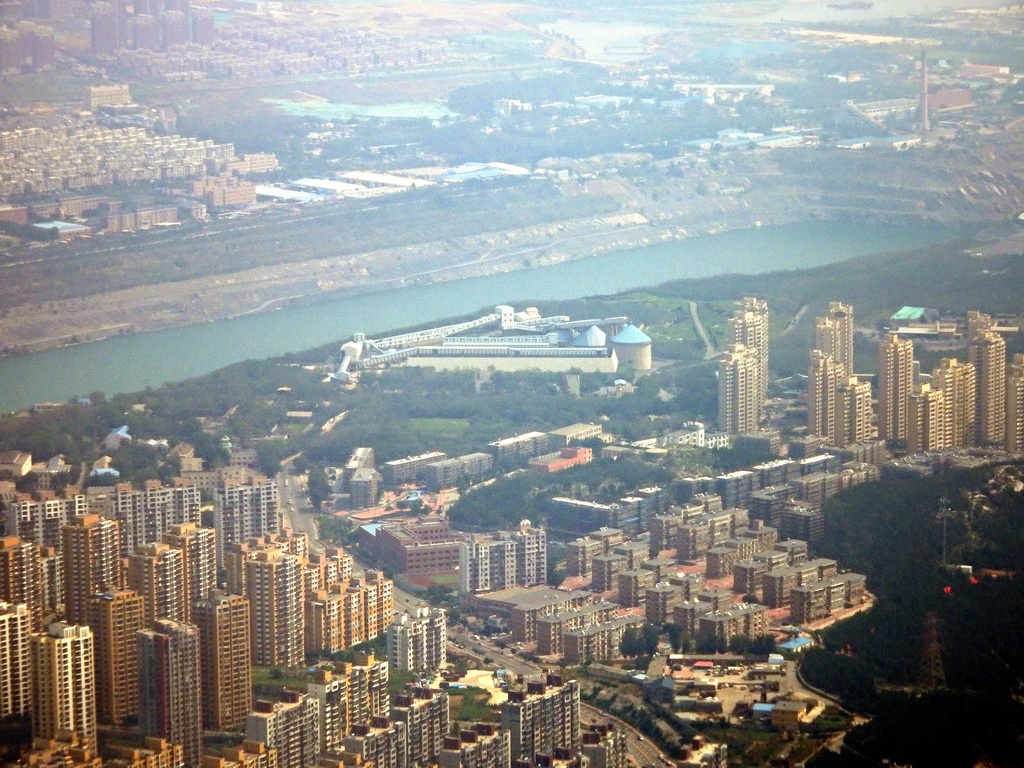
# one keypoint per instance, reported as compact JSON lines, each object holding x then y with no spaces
{"x":926,"y":124}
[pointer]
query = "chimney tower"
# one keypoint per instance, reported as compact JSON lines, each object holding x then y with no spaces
{"x":926,"y":123}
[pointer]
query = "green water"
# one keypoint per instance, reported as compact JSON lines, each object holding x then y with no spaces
{"x":128,"y":363}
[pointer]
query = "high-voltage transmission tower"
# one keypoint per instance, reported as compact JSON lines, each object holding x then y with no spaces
{"x":933,"y":675}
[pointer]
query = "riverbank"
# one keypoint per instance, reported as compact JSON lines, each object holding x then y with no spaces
{"x":55,"y":324}
{"x":296,"y":256}
{"x":132,"y":362}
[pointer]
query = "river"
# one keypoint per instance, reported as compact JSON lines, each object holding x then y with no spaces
{"x":133,"y":362}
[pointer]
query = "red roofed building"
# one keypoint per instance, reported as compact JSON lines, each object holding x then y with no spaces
{"x":564,"y":459}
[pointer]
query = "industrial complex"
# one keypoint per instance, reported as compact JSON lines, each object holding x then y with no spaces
{"x":506,"y":340}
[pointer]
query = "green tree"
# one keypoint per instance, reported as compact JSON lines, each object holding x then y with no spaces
{"x":650,"y":634}
{"x":440,"y":595}
{"x":630,"y":645}
{"x":676,"y":635}
{"x":318,"y":487}
{"x":739,"y":644}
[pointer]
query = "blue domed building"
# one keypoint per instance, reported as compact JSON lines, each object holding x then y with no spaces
{"x":633,"y":346}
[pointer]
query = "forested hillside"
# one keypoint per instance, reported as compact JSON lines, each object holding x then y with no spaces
{"x":883,"y":662}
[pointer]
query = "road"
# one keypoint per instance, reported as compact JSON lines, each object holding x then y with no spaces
{"x":709,"y":347}
{"x":482,"y":648}
{"x":294,"y":505}
{"x":639,"y":750}
{"x":796,"y":319}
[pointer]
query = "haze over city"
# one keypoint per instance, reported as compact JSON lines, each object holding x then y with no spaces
{"x":543,"y":384}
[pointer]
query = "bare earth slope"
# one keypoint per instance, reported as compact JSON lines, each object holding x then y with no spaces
{"x":115,"y":285}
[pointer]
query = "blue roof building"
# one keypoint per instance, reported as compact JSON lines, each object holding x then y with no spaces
{"x":116,"y":438}
{"x":631,"y":335}
{"x":633,"y":346}
{"x":796,"y":644}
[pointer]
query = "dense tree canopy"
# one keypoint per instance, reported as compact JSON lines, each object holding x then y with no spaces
{"x":876,"y":660}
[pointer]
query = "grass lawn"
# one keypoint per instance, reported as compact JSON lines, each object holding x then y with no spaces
{"x":680,"y":331}
{"x":275,"y":677}
{"x":804,"y":749}
{"x":747,"y":746}
{"x":398,"y":679}
{"x":440,"y":428}
{"x":470,"y":704}
{"x":445,"y":579}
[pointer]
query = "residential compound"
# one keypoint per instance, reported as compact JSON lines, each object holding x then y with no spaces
{"x":417,"y":642}
{"x":348,"y":694}
{"x":743,"y":370}
{"x":731,"y":561}
{"x":63,"y":683}
{"x":710,"y":562}
{"x":976,"y":403}
{"x":494,"y":561}
{"x":543,"y":717}
{"x":597,"y":641}
{"x":16,"y":666}
{"x":445,"y":473}
{"x":159,"y":639}
{"x":251,"y":47}
{"x":544,"y":452}
{"x":303,"y":604}
{"x":79,"y":153}
{"x":39,"y":518}
{"x":628,"y":513}
{"x":146,"y":514}
{"x":225,"y":656}
{"x":245,"y":509}
{"x":360,"y":479}
{"x":481,"y":744}
{"x":169,"y":690}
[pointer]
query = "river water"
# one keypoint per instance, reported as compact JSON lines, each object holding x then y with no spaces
{"x":133,"y":362}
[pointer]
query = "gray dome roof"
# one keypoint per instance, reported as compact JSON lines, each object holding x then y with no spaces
{"x":592,"y":337}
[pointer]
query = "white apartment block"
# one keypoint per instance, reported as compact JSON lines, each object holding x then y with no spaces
{"x":244,"y":511}
{"x":416,"y":642}
{"x":147,"y":514}
{"x":489,"y":562}
{"x":41,"y":521}
{"x":16,"y":687}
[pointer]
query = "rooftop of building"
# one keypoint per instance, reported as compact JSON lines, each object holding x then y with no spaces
{"x":572,"y":429}
{"x":585,"y":610}
{"x":518,"y":438}
{"x":532,"y":597}
{"x":594,"y":629}
{"x":631,"y":335}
